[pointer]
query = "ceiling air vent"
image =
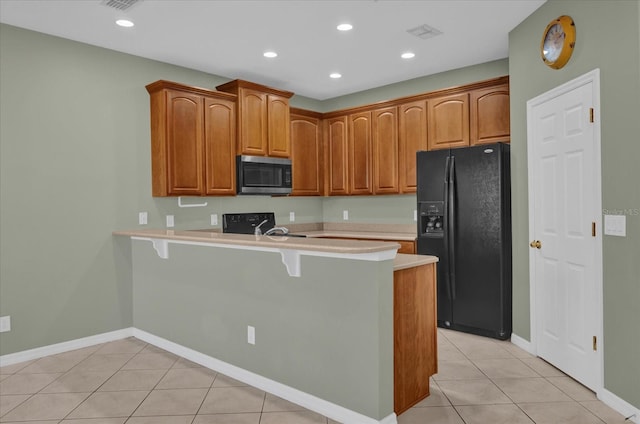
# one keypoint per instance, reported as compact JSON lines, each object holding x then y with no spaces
{"x":424,"y":31}
{"x":120,"y":4}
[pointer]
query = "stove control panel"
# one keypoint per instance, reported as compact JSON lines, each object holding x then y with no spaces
{"x":246,"y":223}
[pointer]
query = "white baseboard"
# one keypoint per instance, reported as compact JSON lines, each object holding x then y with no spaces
{"x":522,"y":343}
{"x":620,"y":405}
{"x":313,"y":403}
{"x":27,"y":355}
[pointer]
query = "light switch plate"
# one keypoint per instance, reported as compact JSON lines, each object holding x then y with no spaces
{"x":292,"y":216}
{"x":345,"y":215}
{"x":251,"y":335}
{"x":214,"y":219}
{"x":615,"y":225}
{"x":5,"y":324}
{"x":170,"y":221}
{"x":142,"y":218}
{"x":415,"y":215}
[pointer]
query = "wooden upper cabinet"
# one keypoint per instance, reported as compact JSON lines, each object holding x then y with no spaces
{"x":385,"y":150}
{"x":412,"y":137}
{"x":184,"y":143}
{"x":192,"y":140}
{"x":307,"y":154}
{"x":337,"y":156}
{"x":448,"y":118}
{"x":220,"y":146}
{"x":490,"y":115}
{"x":359,"y":164}
{"x":252,"y":122}
{"x":278,"y":122}
{"x":263,"y":119}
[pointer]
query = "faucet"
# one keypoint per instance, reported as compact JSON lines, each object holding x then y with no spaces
{"x":270,"y":231}
{"x":257,"y":231}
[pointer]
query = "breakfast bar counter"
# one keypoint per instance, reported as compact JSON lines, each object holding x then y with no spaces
{"x":318,"y":332}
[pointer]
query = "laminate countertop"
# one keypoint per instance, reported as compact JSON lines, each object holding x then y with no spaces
{"x":317,"y":241}
{"x":369,"y":235}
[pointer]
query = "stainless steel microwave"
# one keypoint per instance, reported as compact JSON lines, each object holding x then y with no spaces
{"x":263,"y":175}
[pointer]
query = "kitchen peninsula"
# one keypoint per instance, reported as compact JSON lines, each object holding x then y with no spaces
{"x":343,"y":327}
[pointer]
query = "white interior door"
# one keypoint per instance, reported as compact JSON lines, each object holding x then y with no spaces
{"x":565,"y":211}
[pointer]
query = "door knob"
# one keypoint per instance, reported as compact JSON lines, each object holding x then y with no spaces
{"x":536,"y":243}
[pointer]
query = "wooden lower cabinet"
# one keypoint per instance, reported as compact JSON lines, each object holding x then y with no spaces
{"x":415,"y":353}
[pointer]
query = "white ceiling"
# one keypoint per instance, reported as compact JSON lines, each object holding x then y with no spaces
{"x":228,"y":38}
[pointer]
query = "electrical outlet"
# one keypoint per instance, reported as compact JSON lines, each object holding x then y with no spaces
{"x":5,"y":324}
{"x":170,"y":221}
{"x":345,"y":215}
{"x":292,"y":216}
{"x":214,"y":219}
{"x":251,"y":335}
{"x":142,"y":218}
{"x":415,"y":215}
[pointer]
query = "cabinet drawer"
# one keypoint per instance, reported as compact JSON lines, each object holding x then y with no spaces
{"x":407,"y":247}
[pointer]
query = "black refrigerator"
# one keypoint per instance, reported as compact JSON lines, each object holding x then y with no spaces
{"x":464,"y":218}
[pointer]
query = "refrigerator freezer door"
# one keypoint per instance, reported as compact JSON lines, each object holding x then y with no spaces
{"x":431,"y":190}
{"x":430,"y":170}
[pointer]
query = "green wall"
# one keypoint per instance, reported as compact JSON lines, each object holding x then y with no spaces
{"x":328,"y":333}
{"x":617,"y":54}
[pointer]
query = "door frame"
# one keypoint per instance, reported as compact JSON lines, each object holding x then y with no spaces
{"x":592,"y":77}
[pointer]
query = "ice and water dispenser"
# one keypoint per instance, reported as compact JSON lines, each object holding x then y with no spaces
{"x":431,"y":219}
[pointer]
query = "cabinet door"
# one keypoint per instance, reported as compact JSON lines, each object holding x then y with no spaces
{"x":184,"y":144}
{"x":337,"y":156}
{"x":412,"y":137}
{"x":490,"y":115}
{"x":279,"y":128}
{"x":385,"y":150}
{"x":415,"y":334}
{"x":306,"y":156}
{"x":360,"y":153}
{"x":220,"y":146}
{"x":448,"y":121}
{"x":252,"y":122}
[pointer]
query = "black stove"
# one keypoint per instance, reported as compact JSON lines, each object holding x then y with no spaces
{"x":246,"y":223}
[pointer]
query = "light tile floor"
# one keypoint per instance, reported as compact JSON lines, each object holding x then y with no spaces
{"x":480,"y":381}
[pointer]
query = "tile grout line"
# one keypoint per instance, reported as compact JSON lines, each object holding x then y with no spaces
{"x":204,"y":398}
{"x":97,"y":388}
{"x":152,"y":389}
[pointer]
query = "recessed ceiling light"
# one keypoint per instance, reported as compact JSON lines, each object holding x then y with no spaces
{"x":124,"y":23}
{"x":345,"y":27}
{"x":408,"y":55}
{"x":270,"y":54}
{"x":335,"y":75}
